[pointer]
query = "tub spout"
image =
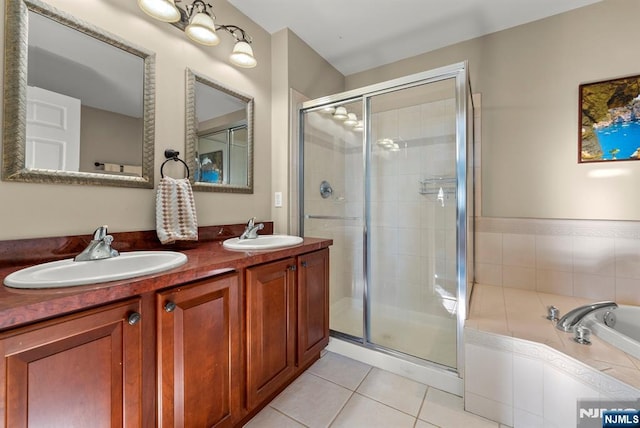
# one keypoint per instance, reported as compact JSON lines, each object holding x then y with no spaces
{"x":569,"y":322}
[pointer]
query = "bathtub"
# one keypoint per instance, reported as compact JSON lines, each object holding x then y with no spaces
{"x":623,"y":333}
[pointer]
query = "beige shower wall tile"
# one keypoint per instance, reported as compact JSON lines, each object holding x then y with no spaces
{"x":489,"y":248}
{"x":594,"y":255}
{"x":554,"y":253}
{"x":596,"y":287}
{"x":554,"y":282}
{"x":519,"y":277}
{"x":519,"y":250}
{"x":490,"y":274}
{"x":627,"y":291}
{"x":627,"y":253}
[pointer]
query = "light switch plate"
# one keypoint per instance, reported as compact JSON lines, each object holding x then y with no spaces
{"x":278,"y":200}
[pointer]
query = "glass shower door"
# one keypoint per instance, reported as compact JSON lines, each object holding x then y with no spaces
{"x":411,"y":253}
{"x":333,"y":204}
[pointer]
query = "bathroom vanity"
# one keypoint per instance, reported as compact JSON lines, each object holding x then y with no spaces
{"x":208,"y":343}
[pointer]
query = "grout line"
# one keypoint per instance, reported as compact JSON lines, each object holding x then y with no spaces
{"x":286,"y":415}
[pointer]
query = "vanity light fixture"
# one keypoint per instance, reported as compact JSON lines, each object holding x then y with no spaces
{"x":340,"y":113}
{"x":352,"y":119}
{"x":197,"y":20}
{"x":359,"y":126}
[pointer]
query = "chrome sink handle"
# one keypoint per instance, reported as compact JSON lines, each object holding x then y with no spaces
{"x":99,"y":248}
{"x":251,"y":231}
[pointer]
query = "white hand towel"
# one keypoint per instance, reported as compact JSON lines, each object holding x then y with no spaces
{"x":175,"y":211}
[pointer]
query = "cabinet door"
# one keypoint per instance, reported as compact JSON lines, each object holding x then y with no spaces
{"x":313,"y":304}
{"x":270,"y":292}
{"x":199,"y":359}
{"x":82,"y":370}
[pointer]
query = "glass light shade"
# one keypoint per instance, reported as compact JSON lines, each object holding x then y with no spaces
{"x":162,"y":10}
{"x":359,"y":126}
{"x":352,"y":119}
{"x":340,"y":113}
{"x":329,"y":110}
{"x":202,"y":30}
{"x":242,"y":55}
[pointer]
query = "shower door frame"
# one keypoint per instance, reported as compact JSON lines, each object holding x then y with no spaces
{"x":464,"y":171}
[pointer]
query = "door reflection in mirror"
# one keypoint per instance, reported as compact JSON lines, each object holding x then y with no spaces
{"x":84,"y":101}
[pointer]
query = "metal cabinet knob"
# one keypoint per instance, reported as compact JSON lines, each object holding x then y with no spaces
{"x":134,"y":318}
{"x":293,"y":267}
{"x":170,"y":307}
{"x":304,"y":264}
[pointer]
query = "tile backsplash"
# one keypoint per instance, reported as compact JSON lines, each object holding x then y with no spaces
{"x":597,"y":260}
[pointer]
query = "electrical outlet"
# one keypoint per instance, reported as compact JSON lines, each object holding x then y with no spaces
{"x":278,"y":200}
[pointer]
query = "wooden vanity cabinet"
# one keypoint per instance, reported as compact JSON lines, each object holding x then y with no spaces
{"x":287,"y":313}
{"x":80,"y":370}
{"x":271,"y":328}
{"x":199,"y":354}
{"x":313,"y":305}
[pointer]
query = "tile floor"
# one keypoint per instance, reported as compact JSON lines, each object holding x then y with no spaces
{"x":340,"y":392}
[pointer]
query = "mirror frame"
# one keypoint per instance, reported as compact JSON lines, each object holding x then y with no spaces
{"x":192,"y":133}
{"x":15,"y":100}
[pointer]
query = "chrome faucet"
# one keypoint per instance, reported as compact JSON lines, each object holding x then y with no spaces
{"x":569,"y":322}
{"x":251,"y":231}
{"x":99,"y":248}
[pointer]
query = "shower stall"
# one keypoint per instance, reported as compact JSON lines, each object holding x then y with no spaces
{"x":386,"y":172}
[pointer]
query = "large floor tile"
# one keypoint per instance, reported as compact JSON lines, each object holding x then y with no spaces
{"x":396,"y":391}
{"x":312,"y":401}
{"x":447,"y":411}
{"x":362,"y":412}
{"x":271,"y":418}
{"x":340,"y":369}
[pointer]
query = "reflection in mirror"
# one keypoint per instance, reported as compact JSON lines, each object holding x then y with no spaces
{"x":219,"y":136}
{"x":78,"y":103}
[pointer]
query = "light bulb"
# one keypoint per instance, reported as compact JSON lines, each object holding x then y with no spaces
{"x":340,"y":113}
{"x":202,"y":30}
{"x":162,"y":10}
{"x":242,"y":55}
{"x":352,"y":119}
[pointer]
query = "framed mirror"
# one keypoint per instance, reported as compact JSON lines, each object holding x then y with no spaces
{"x":219,"y":147}
{"x":79,"y":103}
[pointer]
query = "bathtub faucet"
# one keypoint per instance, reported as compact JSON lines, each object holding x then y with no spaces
{"x":572,"y":318}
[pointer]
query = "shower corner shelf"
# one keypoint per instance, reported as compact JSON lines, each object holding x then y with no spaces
{"x":437,"y":186}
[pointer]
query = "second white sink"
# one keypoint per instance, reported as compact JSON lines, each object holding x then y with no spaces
{"x":65,"y":273}
{"x":262,"y":242}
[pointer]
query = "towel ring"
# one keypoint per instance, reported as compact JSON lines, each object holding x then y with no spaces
{"x":171,"y":154}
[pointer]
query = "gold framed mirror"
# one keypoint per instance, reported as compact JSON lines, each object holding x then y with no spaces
{"x":219,"y":147}
{"x":79,"y":102}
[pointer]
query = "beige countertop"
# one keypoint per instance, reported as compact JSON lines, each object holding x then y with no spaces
{"x":522,"y":314}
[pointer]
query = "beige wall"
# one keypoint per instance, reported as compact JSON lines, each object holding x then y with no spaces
{"x":528,"y":77}
{"x":37,"y":210}
{"x":295,"y":66}
{"x":109,"y":137}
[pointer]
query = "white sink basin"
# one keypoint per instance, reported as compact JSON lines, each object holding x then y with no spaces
{"x":64,"y":273}
{"x":262,"y":242}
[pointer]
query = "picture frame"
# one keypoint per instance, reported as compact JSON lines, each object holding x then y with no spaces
{"x":609,"y":120}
